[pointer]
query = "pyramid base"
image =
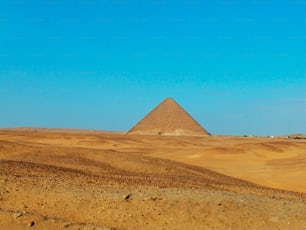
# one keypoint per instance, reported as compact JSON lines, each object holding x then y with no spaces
{"x":158,"y":132}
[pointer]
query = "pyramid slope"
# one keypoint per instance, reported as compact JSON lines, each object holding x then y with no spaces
{"x":168,"y":118}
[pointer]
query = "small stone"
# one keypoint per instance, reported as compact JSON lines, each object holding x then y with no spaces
{"x":32,"y":224}
{"x":17,"y":215}
{"x":67,"y":225}
{"x":128,"y":196}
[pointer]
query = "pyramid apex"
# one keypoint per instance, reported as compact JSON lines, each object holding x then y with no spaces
{"x":169,"y":99}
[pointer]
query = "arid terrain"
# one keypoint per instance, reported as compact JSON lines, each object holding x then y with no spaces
{"x":77,"y":179}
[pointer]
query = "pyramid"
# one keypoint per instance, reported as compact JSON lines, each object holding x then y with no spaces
{"x":168,"y":118}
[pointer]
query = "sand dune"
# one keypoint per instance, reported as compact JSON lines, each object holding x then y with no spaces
{"x":63,"y":179}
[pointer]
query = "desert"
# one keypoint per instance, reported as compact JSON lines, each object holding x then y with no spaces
{"x":166,"y":172}
{"x":152,"y":115}
{"x":82,"y":179}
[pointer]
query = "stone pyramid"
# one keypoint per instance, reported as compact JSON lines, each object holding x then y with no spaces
{"x":168,"y":118}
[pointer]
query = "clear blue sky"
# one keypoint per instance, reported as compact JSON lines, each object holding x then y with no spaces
{"x":238,"y":67}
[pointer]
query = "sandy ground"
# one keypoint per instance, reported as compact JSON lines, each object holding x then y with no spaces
{"x":66,"y":179}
